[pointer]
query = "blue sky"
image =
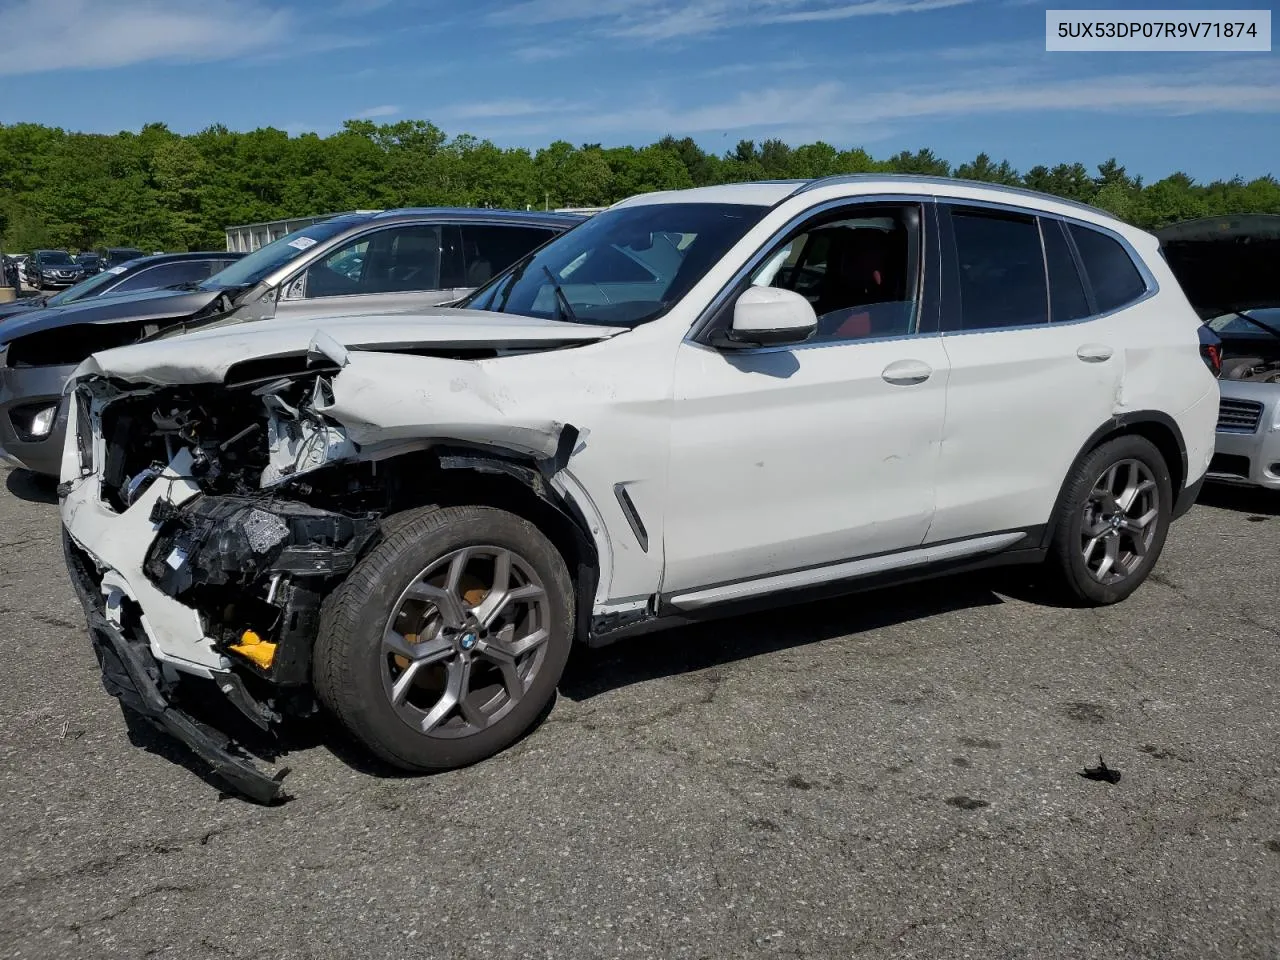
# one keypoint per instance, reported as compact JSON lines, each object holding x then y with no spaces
{"x":957,"y":76}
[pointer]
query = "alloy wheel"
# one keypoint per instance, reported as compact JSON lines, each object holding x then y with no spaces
{"x":465,"y":641}
{"x":1120,"y":521}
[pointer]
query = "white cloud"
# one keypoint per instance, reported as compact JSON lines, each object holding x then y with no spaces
{"x":79,"y":34}
{"x":864,"y":110}
{"x":496,"y":109}
{"x":670,"y":19}
{"x":386,"y":110}
{"x":542,"y":53}
{"x":358,"y":8}
{"x":836,"y":108}
{"x":93,"y":35}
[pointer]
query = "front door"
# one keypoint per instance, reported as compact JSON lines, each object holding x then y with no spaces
{"x":786,"y":458}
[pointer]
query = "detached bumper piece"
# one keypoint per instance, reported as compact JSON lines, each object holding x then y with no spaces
{"x":133,"y":676}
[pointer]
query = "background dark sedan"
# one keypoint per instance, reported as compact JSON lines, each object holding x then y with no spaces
{"x":91,"y":262}
{"x":114,"y":256}
{"x":145,"y":273}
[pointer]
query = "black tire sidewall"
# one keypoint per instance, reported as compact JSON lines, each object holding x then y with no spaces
{"x":394,"y":564}
{"x":1069,"y":529}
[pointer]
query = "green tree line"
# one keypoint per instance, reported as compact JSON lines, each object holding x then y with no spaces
{"x":157,"y":189}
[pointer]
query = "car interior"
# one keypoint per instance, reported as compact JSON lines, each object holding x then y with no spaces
{"x":855,"y":273}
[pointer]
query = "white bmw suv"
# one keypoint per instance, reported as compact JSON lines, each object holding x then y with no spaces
{"x":693,"y":403}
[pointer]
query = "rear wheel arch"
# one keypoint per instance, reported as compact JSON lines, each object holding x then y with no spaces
{"x":1153,"y":425}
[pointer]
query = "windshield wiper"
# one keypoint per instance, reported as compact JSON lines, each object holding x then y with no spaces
{"x":566,"y":309}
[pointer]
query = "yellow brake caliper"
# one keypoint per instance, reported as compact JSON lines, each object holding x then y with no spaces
{"x":473,"y":594}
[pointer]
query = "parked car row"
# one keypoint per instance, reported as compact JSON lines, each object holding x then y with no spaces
{"x":395,"y":260}
{"x":331,"y":474}
{"x":145,"y":273}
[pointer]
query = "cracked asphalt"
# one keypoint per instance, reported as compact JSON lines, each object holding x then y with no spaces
{"x":890,"y":775}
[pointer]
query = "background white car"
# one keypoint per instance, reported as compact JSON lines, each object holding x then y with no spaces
{"x":692,"y":403}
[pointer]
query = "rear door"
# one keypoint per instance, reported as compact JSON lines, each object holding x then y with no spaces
{"x":1036,"y":369}
{"x":489,"y":248}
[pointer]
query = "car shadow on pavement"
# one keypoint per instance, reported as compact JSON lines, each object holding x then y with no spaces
{"x":1252,"y":500}
{"x":717,"y":642}
{"x":592,"y":672}
{"x":31,"y":487}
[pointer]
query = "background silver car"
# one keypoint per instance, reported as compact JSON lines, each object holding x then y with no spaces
{"x":352,"y":264}
{"x":1228,"y":268}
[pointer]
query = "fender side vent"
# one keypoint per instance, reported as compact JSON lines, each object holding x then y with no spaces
{"x":633,"y":517}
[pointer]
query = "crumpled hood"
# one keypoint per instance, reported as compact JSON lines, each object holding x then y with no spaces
{"x":1225,"y":264}
{"x":207,"y":356}
{"x":147,"y":305}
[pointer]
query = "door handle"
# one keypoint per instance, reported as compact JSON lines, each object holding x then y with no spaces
{"x":905,"y":373}
{"x":1094,"y":352}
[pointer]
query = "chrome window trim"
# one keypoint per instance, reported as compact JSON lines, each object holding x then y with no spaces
{"x":1152,"y":285}
{"x":708,"y":313}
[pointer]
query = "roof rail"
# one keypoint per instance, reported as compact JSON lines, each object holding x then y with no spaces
{"x":839,"y":178}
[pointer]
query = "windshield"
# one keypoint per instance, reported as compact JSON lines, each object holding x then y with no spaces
{"x":622,"y":267}
{"x":55,"y":256}
{"x":251,"y":269}
{"x":85,"y":288}
{"x":1235,"y":325}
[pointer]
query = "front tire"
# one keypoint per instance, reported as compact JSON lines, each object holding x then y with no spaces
{"x":1113,"y":521}
{"x":444,"y":645}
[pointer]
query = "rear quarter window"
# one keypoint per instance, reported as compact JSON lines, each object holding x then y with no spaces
{"x":1110,"y":270}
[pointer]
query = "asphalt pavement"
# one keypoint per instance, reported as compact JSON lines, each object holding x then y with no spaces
{"x":889,"y":775}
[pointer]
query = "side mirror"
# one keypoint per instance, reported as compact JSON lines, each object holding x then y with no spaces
{"x":770,"y":317}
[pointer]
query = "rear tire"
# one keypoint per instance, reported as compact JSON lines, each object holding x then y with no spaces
{"x":445,"y":644}
{"x":1112,"y":522}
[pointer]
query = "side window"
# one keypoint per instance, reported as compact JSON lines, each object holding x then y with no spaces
{"x":1111,"y":274}
{"x":402,"y":260}
{"x":1066,"y":293}
{"x":340,"y":274}
{"x":488,"y":249}
{"x":164,"y":275}
{"x":396,"y":260}
{"x":859,"y":268}
{"x":1001,"y":270}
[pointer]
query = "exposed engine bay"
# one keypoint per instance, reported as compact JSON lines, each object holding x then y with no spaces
{"x":1247,"y":361}
{"x":256,"y":551}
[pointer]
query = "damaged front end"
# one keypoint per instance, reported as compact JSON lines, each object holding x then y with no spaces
{"x":200,"y":546}
{"x":206,"y":520}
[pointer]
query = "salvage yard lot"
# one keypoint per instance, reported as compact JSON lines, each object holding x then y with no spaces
{"x":885,"y":775}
